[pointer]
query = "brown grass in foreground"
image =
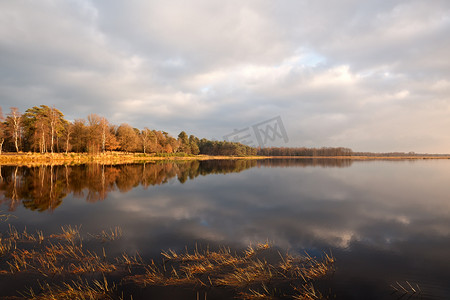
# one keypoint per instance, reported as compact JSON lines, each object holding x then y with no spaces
{"x":61,"y":253}
{"x":249,"y":274}
{"x":67,"y":270}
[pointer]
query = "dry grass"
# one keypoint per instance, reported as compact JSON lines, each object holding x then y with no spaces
{"x":62,"y":258}
{"x":406,"y":288}
{"x":31,"y":159}
{"x":111,"y":235}
{"x":249,"y":276}
{"x":5,"y":246}
{"x":5,"y":217}
{"x":9,"y":242}
{"x":68,"y":233}
{"x":78,"y":289}
{"x":66,"y":256}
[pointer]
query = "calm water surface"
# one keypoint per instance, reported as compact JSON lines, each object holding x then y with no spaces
{"x":384,"y":221}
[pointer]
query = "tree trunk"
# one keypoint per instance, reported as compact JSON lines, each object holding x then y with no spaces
{"x":53,"y":134}
{"x":67,"y":143}
{"x":103,"y":139}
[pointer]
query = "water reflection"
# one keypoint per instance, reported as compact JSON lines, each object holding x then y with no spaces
{"x":42,"y":188}
{"x":306,"y":162}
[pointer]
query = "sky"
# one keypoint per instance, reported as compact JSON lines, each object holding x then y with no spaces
{"x":368,"y":75}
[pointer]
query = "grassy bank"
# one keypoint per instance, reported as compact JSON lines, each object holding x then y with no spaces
{"x":107,"y":158}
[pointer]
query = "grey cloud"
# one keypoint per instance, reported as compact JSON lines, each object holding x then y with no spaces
{"x":371,"y":75}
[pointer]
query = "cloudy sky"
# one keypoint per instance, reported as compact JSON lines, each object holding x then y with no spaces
{"x":369,"y":75}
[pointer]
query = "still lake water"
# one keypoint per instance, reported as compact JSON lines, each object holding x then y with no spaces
{"x":384,"y":221}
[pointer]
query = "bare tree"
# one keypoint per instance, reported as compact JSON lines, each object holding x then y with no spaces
{"x":68,"y":132}
{"x":2,"y":131}
{"x":57,"y":123}
{"x":148,"y":139}
{"x":41,"y":131}
{"x":94,"y":133}
{"x":15,"y":121}
{"x":104,"y":127}
{"x":53,"y":121}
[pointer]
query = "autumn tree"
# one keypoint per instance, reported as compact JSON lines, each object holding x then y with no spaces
{"x":79,"y":134}
{"x":68,"y":130}
{"x":193,"y":144}
{"x":94,"y":133}
{"x":183,"y":141}
{"x":148,"y":139}
{"x":104,"y":129}
{"x":128,"y":138}
{"x":43,"y":126}
{"x":172,"y":144}
{"x":57,"y":124}
{"x":111,"y":142}
{"x":36,"y":132}
{"x":161,"y":140}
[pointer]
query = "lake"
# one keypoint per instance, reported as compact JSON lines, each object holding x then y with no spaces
{"x":386,"y":222}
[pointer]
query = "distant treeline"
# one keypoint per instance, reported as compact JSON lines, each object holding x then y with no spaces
{"x":305,"y":162}
{"x":397,"y":154}
{"x":285,"y":151}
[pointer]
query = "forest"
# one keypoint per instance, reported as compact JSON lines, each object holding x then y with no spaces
{"x":43,"y":129}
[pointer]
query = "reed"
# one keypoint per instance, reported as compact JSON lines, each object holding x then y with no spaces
{"x":76,"y":289}
{"x":61,"y":257}
{"x":68,"y":233}
{"x":5,"y":246}
{"x":252,"y":278}
{"x":407,"y":288}
{"x":252,"y":251}
{"x":13,"y":233}
{"x":126,"y":259}
{"x":64,"y":257}
{"x":307,"y":292}
{"x":111,"y":235}
{"x":5,"y":217}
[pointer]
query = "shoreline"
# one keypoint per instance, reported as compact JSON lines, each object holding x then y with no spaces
{"x":105,"y":158}
{"x":121,"y":158}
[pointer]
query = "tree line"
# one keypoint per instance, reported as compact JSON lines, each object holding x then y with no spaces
{"x":43,"y":129}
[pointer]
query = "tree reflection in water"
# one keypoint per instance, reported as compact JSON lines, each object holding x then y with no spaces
{"x":43,"y":188}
